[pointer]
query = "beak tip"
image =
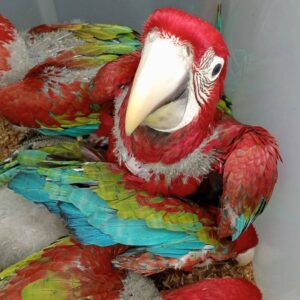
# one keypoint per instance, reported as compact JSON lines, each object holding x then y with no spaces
{"x":128,"y":130}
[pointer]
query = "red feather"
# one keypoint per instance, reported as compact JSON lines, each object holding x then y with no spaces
{"x":44,"y":96}
{"x":250,"y":174}
{"x":43,"y":28}
{"x":7,"y":30}
{"x":216,"y":289}
{"x":7,"y":36}
{"x":247,"y":240}
{"x":155,"y":186}
{"x":85,"y":272}
{"x":172,"y":21}
{"x":113,"y":76}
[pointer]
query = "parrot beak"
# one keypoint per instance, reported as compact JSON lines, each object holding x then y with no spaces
{"x":161,"y":75}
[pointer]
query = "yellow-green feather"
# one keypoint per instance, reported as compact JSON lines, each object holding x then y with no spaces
{"x":112,"y":189}
{"x":52,"y":287}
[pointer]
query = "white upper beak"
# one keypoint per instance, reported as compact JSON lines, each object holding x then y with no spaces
{"x":162,"y":70}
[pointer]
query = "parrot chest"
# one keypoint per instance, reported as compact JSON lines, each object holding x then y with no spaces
{"x":198,"y":164}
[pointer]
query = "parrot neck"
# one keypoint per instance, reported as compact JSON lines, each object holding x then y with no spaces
{"x":178,"y":154}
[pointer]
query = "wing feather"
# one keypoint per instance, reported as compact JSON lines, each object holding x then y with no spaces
{"x":250,"y":174}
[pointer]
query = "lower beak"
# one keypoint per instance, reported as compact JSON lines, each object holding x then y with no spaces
{"x":161,"y":73}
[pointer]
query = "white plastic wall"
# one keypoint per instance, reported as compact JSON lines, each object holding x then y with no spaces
{"x":27,"y":13}
{"x":263,"y":81}
{"x":130,"y":12}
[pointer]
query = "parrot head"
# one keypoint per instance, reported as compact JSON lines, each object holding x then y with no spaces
{"x":180,"y":73}
{"x":170,"y":107}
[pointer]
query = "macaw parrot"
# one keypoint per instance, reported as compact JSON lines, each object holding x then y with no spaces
{"x":45,"y":74}
{"x":168,"y":132}
{"x":69,"y":270}
{"x":167,"y":141}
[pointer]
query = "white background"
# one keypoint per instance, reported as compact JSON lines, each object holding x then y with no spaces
{"x":264,"y":83}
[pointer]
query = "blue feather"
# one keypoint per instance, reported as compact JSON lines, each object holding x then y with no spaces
{"x":53,"y":206}
{"x":179,"y":248}
{"x":31,"y":186}
{"x":84,"y":232}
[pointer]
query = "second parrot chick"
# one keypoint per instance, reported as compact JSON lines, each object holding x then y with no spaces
{"x":45,"y":73}
{"x":22,"y":51}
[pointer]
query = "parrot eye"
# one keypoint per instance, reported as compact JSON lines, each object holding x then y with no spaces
{"x":215,"y":68}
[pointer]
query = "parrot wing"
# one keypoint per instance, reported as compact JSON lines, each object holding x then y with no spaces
{"x":55,"y":98}
{"x":81,"y":45}
{"x":54,"y":95}
{"x":51,"y":97}
{"x":101,"y":207}
{"x":64,"y":270}
{"x":250,"y":173}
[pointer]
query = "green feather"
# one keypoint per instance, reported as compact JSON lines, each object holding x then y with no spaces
{"x":103,"y":31}
{"x":225,"y":104}
{"x":218,"y":23}
{"x":105,"y":48}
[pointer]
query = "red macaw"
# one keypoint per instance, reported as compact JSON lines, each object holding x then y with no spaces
{"x":70,"y":270}
{"x":45,"y":76}
{"x":168,"y":132}
{"x":168,"y":140}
